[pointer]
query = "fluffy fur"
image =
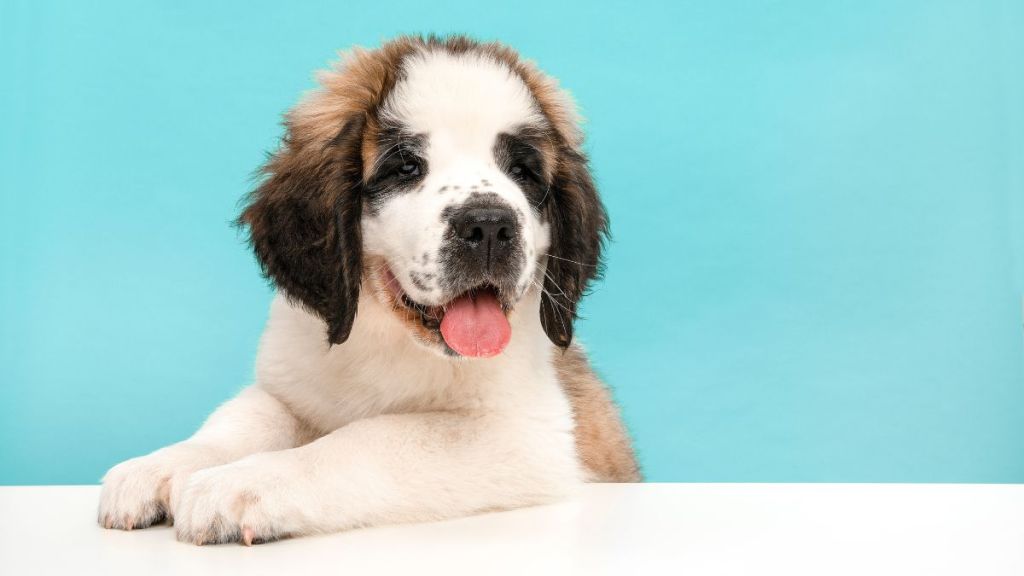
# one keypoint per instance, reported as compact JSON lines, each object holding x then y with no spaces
{"x":360,"y":414}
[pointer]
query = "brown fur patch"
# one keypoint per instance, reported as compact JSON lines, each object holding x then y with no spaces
{"x":602,"y":441}
{"x":304,"y":219}
{"x":358,"y":83}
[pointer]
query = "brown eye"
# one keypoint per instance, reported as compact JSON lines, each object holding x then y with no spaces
{"x":410,"y":168}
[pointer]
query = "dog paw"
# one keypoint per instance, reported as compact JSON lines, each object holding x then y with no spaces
{"x":246,"y":501}
{"x":137,"y":493}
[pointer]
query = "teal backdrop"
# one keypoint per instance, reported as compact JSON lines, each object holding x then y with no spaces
{"x":818,"y":215}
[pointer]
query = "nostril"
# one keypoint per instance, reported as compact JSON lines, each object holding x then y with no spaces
{"x":480,"y":227}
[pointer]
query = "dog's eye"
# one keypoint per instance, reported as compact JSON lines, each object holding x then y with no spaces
{"x":519,"y":171}
{"x":410,"y":168}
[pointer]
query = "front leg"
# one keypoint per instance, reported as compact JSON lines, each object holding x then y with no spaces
{"x":142,"y":491}
{"x":387,"y":469}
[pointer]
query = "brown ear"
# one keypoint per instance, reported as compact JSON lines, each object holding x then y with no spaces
{"x":579,"y":226}
{"x":303,"y":224}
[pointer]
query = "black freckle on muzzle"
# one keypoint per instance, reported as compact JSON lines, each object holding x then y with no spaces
{"x":483,"y":245}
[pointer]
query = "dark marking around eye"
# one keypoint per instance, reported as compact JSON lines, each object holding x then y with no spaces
{"x":426,"y":257}
{"x":401,"y":148}
{"x":520,"y":155}
{"x":442,"y":189}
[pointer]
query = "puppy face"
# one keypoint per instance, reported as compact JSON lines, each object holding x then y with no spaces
{"x":454,"y":196}
{"x":443,"y":175}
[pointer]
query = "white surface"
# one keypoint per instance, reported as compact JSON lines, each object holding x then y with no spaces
{"x":686,"y":529}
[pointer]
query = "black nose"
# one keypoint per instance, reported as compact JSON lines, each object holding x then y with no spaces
{"x":489,"y":232}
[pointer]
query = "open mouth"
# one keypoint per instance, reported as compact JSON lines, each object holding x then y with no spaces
{"x":474,"y":323}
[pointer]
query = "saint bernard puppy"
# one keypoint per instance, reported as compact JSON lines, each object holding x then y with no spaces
{"x":431,"y":225}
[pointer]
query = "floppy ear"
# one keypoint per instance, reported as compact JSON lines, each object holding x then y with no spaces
{"x":579,"y":226}
{"x":303,"y":224}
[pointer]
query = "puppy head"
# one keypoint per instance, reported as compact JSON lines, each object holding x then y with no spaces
{"x":446,"y":177}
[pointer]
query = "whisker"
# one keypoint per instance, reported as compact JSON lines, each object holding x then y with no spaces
{"x":556,"y":306}
{"x":569,"y":260}
{"x":552,"y":297}
{"x":545,"y":197}
{"x":555,"y":284}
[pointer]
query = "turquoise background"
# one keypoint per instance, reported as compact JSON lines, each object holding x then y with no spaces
{"x":818,"y":211}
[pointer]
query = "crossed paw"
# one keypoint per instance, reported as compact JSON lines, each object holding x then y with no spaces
{"x":207,"y":501}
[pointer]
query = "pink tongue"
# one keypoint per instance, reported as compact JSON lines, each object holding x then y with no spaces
{"x":476,"y":326}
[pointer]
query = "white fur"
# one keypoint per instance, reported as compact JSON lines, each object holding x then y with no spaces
{"x":380,"y":429}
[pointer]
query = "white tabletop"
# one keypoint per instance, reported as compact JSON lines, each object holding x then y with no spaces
{"x":688,"y":529}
